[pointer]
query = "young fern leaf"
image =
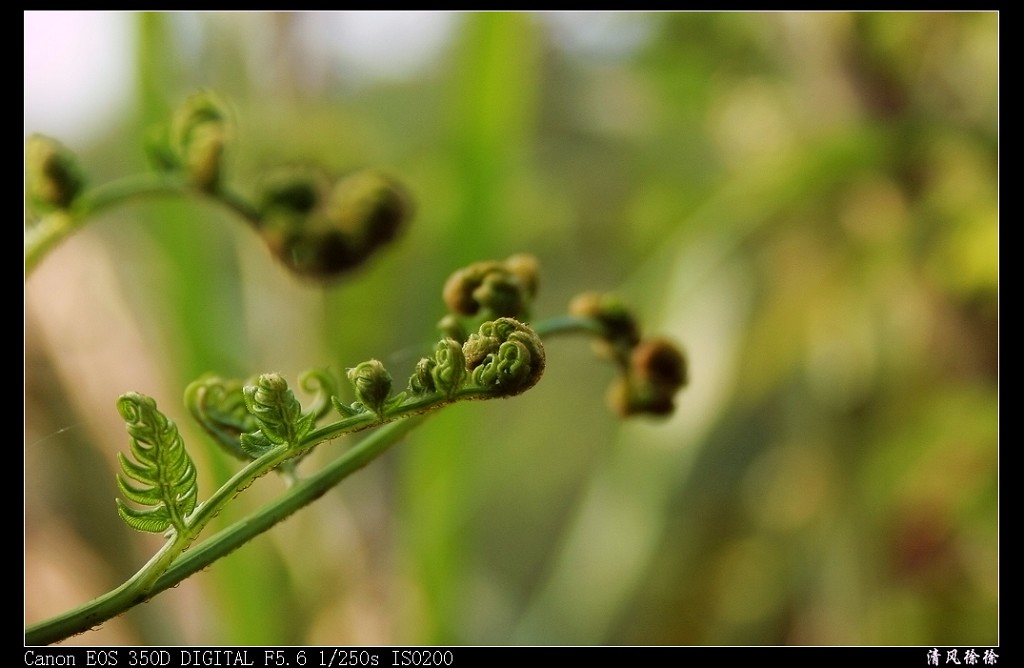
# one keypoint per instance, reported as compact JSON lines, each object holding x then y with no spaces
{"x":278,"y":414}
{"x":162,"y":477}
{"x":219,"y":407}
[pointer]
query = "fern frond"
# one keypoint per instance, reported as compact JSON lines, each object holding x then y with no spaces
{"x":219,"y":407}
{"x":162,"y":475}
{"x":277,"y":412}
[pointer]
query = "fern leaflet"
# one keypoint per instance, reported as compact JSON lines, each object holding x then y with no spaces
{"x":162,"y":476}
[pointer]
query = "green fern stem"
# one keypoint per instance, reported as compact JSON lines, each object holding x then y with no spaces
{"x":44,"y":235}
{"x":164,"y":570}
{"x":570,"y":324}
{"x":169,"y":566}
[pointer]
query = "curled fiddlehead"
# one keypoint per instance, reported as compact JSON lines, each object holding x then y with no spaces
{"x":493,"y":288}
{"x":502,"y":359}
{"x":218,"y":405}
{"x":322,"y":386}
{"x":657,"y":370}
{"x":318,"y":227}
{"x":321,"y":229}
{"x":620,"y":329}
{"x":505,"y":357}
{"x":372,"y":385}
{"x":162,"y":475}
{"x":195,"y":141}
{"x":277,"y":413}
{"x":651,"y":371}
{"x":264,"y":422}
{"x":443,"y":373}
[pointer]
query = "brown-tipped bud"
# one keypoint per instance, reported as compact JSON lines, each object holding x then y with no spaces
{"x":660,"y":362}
{"x":458,"y":289}
{"x":621,"y":330}
{"x":320,"y":231}
{"x":52,"y":173}
{"x":369,"y":208}
{"x":499,"y":289}
{"x":657,"y":371}
{"x":501,"y":294}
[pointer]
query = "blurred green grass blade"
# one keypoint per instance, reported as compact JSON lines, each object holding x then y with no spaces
{"x":493,"y":81}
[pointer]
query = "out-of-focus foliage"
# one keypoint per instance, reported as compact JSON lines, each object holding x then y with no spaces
{"x":808,"y":202}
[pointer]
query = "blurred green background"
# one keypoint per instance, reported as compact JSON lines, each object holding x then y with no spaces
{"x":806,"y":202}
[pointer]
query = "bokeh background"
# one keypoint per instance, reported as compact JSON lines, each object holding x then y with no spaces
{"x":807,"y":202}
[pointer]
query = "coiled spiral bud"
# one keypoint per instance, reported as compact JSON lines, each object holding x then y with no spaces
{"x":445,"y":373}
{"x":657,"y":371}
{"x":218,"y":405}
{"x":200,"y":133}
{"x":496,"y":288}
{"x":652,"y":371}
{"x":372,"y":385}
{"x":320,"y":229}
{"x":504,"y":356}
{"x":621,"y":330}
